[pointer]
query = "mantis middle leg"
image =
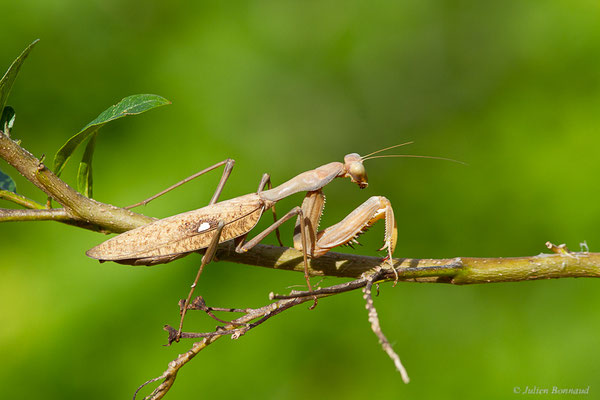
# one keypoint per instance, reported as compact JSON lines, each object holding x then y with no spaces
{"x":266,"y":181}
{"x":229,"y":163}
{"x":243,"y":246}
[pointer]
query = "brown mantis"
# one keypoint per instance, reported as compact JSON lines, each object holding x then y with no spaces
{"x":173,"y":237}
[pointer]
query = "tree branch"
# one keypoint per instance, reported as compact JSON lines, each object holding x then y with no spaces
{"x":457,"y":271}
{"x":91,"y":212}
{"x":460,"y":271}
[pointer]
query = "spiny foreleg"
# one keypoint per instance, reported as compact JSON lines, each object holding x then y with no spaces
{"x":353,"y":225}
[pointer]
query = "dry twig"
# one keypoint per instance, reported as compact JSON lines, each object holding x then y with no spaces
{"x":376,"y":327}
{"x":251,"y":319}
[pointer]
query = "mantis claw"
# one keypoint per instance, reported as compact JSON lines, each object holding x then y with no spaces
{"x":391,"y":265}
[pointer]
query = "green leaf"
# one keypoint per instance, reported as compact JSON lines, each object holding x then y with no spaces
{"x":6,"y":83}
{"x":84,"y":174}
{"x":6,"y":183}
{"x":131,"y":105}
{"x":7,"y":119}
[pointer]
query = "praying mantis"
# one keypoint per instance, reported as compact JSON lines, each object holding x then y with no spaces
{"x":173,"y":237}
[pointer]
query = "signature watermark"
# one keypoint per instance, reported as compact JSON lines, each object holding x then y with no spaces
{"x":545,"y":390}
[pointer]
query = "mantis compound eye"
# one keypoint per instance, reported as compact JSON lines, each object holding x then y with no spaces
{"x":358,"y":174}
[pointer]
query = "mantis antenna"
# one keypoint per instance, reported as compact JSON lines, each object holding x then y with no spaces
{"x":415,"y":156}
{"x":371,"y":157}
{"x":387,"y":148}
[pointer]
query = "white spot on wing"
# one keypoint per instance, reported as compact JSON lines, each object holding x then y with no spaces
{"x":203,"y":226}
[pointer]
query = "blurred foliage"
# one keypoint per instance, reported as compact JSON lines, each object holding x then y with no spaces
{"x":512,"y":88}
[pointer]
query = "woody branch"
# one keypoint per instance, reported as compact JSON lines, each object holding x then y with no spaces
{"x":90,"y":214}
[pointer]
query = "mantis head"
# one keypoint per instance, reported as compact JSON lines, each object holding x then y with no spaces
{"x":355,"y":170}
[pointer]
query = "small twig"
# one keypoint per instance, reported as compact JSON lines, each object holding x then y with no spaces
{"x":20,"y":200}
{"x":46,"y":214}
{"x":340,"y":288}
{"x":173,"y":334}
{"x":560,"y":249}
{"x":376,"y":327}
{"x":235,"y":333}
{"x":41,"y":214}
{"x":171,"y":372}
{"x":385,"y":274}
{"x":200,"y":304}
{"x":146,"y":383}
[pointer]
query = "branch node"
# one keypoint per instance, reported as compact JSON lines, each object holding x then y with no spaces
{"x":561,"y":249}
{"x":41,"y":166}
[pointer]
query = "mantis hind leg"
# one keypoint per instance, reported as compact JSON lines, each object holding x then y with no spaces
{"x":229,"y":163}
{"x":206,"y":258}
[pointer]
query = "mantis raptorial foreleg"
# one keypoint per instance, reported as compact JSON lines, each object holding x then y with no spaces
{"x":347,"y":230}
{"x":226,"y":172}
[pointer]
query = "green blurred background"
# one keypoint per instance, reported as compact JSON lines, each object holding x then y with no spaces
{"x":512,"y":88}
